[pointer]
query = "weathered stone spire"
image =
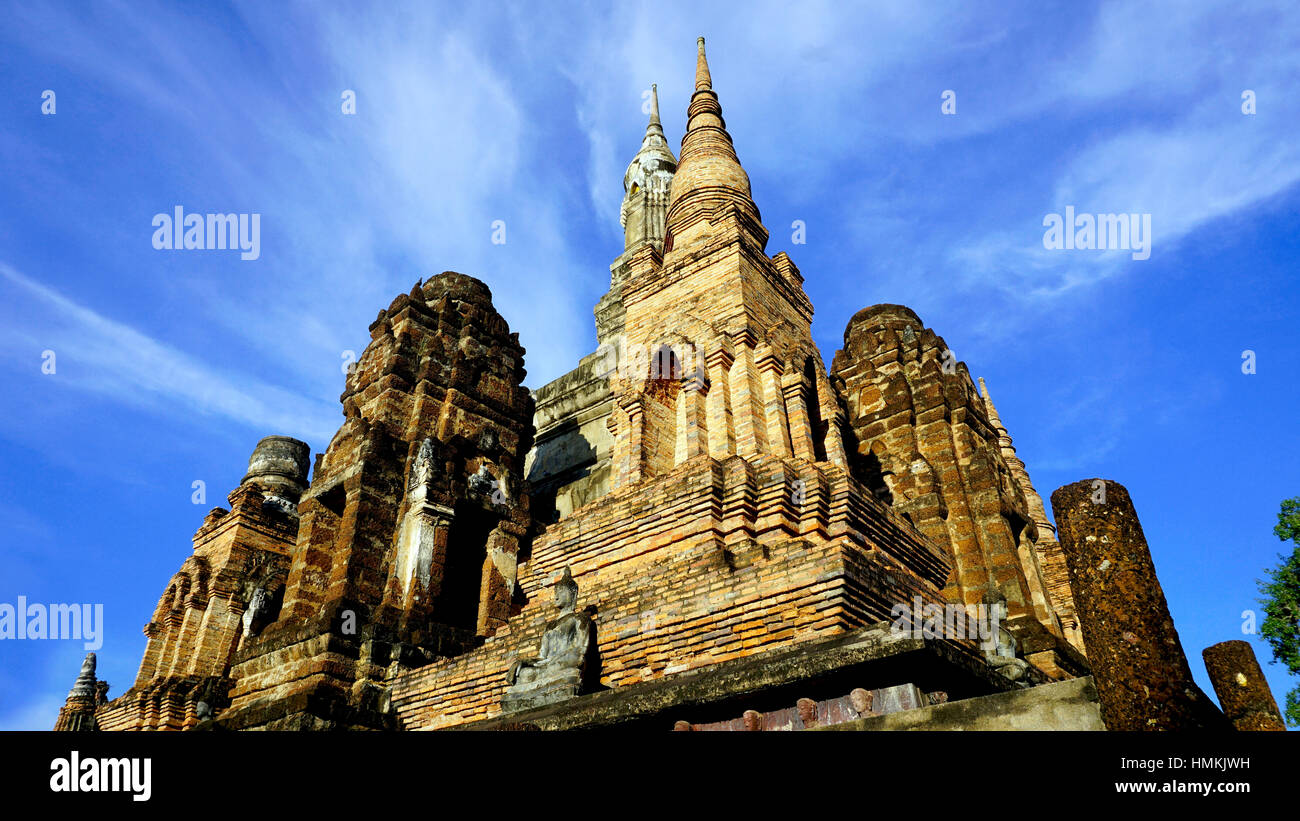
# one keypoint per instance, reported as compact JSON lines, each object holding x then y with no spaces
{"x":646,"y":183}
{"x":1050,"y":558}
{"x":78,"y":713}
{"x":709,"y":177}
{"x":85,"y":683}
{"x":408,"y":537}
{"x":1004,"y":439}
{"x":1036,"y":508}
{"x":654,"y":141}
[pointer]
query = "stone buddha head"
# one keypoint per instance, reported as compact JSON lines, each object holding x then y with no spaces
{"x":566,"y":592}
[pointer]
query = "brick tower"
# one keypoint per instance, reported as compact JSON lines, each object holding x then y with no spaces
{"x":923,"y":438}
{"x":227,"y":589}
{"x":718,"y":354}
{"x":411,"y":528}
{"x":705,"y":504}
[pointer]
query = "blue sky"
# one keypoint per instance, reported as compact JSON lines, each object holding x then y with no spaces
{"x":172,"y":364}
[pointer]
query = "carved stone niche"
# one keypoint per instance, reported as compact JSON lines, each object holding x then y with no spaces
{"x":560,"y":670}
{"x":263,"y":607}
{"x":422,"y":534}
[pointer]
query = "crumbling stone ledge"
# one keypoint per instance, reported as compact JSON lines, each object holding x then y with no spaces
{"x":869,"y":657}
{"x":1061,"y":705}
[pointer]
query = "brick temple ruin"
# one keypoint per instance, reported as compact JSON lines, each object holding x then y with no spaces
{"x":700,"y":527}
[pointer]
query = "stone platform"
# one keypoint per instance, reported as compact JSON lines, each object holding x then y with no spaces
{"x":869,"y":658}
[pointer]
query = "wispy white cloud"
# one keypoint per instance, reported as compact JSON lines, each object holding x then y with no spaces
{"x":95,"y":353}
{"x":1191,"y":159}
{"x":1186,"y":177}
{"x":355,"y":208}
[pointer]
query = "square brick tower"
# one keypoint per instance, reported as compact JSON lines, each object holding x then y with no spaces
{"x":411,"y":528}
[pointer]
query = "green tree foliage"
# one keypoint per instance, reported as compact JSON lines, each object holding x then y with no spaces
{"x":1281,"y":627}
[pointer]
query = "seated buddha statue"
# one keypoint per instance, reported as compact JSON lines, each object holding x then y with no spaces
{"x":558,"y":670}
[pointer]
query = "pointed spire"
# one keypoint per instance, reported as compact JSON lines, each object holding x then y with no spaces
{"x":654,"y":140}
{"x":646,"y":183}
{"x":989,"y":409}
{"x":1004,"y":438}
{"x":85,"y":683}
{"x":709,"y":174}
{"x":78,"y":711}
{"x":654,"y":153}
{"x":1036,"y":509}
{"x":703,"y":80}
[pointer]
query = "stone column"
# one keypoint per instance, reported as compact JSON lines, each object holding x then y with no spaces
{"x":747,"y":402}
{"x":695,"y":427}
{"x":153,"y":711}
{"x":497,"y":584}
{"x":1143,"y":680}
{"x":775,"y":419}
{"x":1239,"y":683}
{"x":723,"y":441}
{"x":833,"y":416}
{"x":796,"y":404}
{"x":154,"y":632}
{"x":425,"y":566}
{"x":629,"y":463}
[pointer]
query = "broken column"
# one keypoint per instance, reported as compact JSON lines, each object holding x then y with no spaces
{"x":1142,"y":675}
{"x":1239,"y":683}
{"x":279,"y":465}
